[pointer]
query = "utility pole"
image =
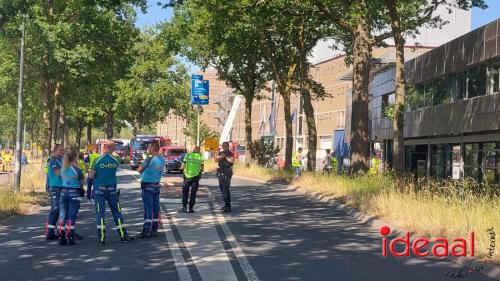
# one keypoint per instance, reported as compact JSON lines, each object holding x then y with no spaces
{"x":19,"y":129}
{"x":198,"y":127}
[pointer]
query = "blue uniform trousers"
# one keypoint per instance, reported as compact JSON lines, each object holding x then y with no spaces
{"x":109,"y":194}
{"x":69,"y":204}
{"x":50,"y":225}
{"x":151,"y":200}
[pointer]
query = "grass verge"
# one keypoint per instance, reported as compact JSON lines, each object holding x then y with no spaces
{"x":434,"y":209}
{"x":32,"y":192}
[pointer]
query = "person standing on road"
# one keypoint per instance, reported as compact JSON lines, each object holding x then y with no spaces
{"x":103,"y":174}
{"x":192,"y":168}
{"x":69,"y":204}
{"x":151,"y":173}
{"x":55,"y":185}
{"x":297,"y":163}
{"x":225,"y":162}
{"x":92,"y":157}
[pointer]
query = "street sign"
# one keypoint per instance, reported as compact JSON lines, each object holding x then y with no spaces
{"x":211,"y":144}
{"x":199,"y":90}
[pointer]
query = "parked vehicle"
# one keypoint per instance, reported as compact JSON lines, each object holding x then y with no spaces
{"x":173,"y":157}
{"x":139,"y":145}
{"x":119,"y":151}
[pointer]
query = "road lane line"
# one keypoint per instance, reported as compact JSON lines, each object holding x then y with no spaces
{"x":180,"y":263}
{"x":237,"y":250}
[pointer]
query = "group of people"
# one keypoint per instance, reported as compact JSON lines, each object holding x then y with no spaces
{"x":192,"y":167}
{"x":329,"y":162}
{"x":65,"y":180}
{"x":6,"y":160}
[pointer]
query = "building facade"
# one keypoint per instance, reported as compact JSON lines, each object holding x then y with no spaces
{"x":452,"y":118}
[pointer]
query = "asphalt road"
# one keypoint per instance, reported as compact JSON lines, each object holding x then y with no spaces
{"x":272,"y":234}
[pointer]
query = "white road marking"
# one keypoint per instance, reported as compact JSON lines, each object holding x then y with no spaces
{"x":204,"y":244}
{"x":180,"y":263}
{"x":237,"y":250}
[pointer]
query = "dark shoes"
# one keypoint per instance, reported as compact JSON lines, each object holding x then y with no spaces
{"x":52,"y":237}
{"x":183,"y":210}
{"x":62,"y":239}
{"x":146,"y":234}
{"x":191,"y":211}
{"x":100,"y":242}
{"x":77,"y":236}
{"x":71,"y":240}
{"x":126,"y":238}
{"x":226,"y":209}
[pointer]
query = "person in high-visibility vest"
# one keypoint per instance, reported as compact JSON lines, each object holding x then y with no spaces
{"x":81,"y":162}
{"x":151,"y":173}
{"x":6,"y":161}
{"x":90,"y":182}
{"x":46,"y":169}
{"x":297,"y":162}
{"x":330,"y":162}
{"x":375,"y":165}
{"x":192,"y":167}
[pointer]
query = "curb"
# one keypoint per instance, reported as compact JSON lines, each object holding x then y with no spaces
{"x":490,"y":270}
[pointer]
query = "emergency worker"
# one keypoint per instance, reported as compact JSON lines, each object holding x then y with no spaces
{"x":192,"y":168}
{"x":225,"y":161}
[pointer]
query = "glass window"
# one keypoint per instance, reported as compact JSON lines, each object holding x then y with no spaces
{"x":477,"y":82}
{"x":440,"y":95}
{"x":428,"y":93}
{"x":461,"y":86}
{"x":415,"y":97}
{"x":482,"y":162}
{"x":441,"y":160}
{"x":453,"y":88}
{"x":493,"y":78}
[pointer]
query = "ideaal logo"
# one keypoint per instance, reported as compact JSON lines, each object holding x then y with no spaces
{"x":460,"y":247}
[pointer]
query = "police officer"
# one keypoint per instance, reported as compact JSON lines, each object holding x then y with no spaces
{"x":192,"y":167}
{"x":92,"y":157}
{"x":225,"y":161}
{"x":55,"y":185}
{"x":103,"y":173}
{"x":151,"y":173}
{"x":69,"y":204}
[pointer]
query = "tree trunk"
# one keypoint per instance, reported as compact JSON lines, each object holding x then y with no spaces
{"x":89,"y":133}
{"x":250,"y":153}
{"x":135,"y":127}
{"x":47,"y":109}
{"x":398,"y":122}
{"x":55,"y":125}
{"x":360,"y":144}
{"x":288,"y":128}
{"x":312,"y":137}
{"x":78,"y":136}
{"x":109,"y":123}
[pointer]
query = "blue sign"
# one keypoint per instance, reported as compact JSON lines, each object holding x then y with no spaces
{"x":199,"y":90}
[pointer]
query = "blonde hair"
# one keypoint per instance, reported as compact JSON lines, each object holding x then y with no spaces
{"x":69,"y":157}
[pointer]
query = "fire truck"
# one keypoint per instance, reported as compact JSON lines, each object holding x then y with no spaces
{"x":138,"y":147}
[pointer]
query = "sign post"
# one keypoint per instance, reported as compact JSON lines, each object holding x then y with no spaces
{"x":199,"y":96}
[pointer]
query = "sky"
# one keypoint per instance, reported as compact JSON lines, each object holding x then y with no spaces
{"x":156,"y":14}
{"x":481,"y":17}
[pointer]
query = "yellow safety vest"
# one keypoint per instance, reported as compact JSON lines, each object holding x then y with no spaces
{"x":295,"y":160}
{"x":46,"y":168}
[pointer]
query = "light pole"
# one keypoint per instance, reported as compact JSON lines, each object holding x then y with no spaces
{"x":19,"y":136}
